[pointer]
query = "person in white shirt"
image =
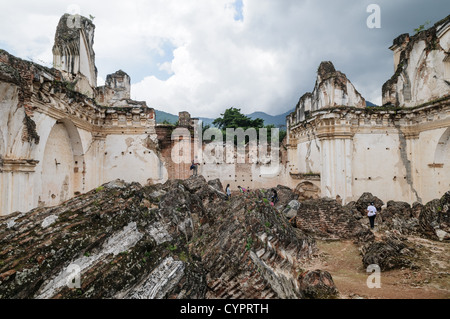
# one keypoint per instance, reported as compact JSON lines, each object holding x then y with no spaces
{"x":371,"y":213}
{"x":228,"y":190}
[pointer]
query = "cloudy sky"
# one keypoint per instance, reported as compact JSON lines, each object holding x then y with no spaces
{"x":204,"y":56}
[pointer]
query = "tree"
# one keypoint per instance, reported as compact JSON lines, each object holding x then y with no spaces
{"x":281,"y":133}
{"x":233,"y":118}
{"x":166,"y":122}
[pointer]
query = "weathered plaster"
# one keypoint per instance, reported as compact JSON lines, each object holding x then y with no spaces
{"x":55,"y":137}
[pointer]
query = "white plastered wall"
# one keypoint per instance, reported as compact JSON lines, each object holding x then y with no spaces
{"x":128,"y":158}
{"x":379,"y":167}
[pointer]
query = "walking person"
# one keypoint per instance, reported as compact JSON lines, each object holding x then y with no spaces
{"x":228,"y":191}
{"x":274,"y":198}
{"x":194,"y":167}
{"x":242,"y":189}
{"x":371,"y":213}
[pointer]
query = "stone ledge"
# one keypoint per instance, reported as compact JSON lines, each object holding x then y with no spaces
{"x":18,"y":165}
{"x":308,"y":177}
{"x":436,"y":165}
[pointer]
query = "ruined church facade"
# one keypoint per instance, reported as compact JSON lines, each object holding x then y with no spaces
{"x":61,"y":135}
{"x":338,"y":147}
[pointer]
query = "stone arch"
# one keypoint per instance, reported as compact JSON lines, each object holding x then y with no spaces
{"x":447,"y":67}
{"x":442,"y":153}
{"x":442,"y":163}
{"x":63,"y":166}
{"x":307,"y":190}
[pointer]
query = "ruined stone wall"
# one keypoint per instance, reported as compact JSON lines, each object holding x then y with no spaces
{"x":132,"y":159}
{"x":378,"y":165}
{"x":431,"y":149}
{"x":214,"y":161}
{"x":398,"y":151}
{"x":116,"y":91}
{"x":176,"y":146}
{"x":421,"y":67}
{"x":332,"y":89}
{"x":304,"y":151}
{"x":389,"y":152}
{"x":73,"y":52}
{"x":258,"y":168}
{"x":57,"y":142}
{"x":249,"y":176}
{"x":18,"y":133}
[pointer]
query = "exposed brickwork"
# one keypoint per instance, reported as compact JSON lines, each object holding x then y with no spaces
{"x":23,"y":74}
{"x":166,"y":144}
{"x":326,"y":218}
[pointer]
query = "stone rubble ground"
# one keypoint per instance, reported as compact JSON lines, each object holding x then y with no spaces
{"x":184,"y":239}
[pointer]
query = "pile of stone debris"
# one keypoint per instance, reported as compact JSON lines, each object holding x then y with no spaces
{"x":186,"y":239}
{"x":327,"y":219}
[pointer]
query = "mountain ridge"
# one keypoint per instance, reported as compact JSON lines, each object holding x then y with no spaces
{"x":277,"y":120}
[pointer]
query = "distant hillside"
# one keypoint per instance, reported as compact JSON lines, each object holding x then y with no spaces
{"x":277,"y":120}
{"x":162,"y":116}
{"x":206,"y":121}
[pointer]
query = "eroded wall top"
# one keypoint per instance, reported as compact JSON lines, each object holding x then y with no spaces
{"x":332,"y":89}
{"x":116,"y":91}
{"x":422,"y":67}
{"x":73,"y":51}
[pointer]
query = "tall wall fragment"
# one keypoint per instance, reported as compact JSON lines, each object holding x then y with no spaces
{"x":332,"y":89}
{"x":73,"y":52}
{"x":422,"y":67}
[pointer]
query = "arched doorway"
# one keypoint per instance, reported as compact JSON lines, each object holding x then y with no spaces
{"x":307,"y":190}
{"x":442,"y":163}
{"x":63,"y":164}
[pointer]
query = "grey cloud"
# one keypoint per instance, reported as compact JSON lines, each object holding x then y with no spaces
{"x":265,"y":62}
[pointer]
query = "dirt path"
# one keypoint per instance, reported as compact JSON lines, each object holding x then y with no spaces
{"x":344,"y":262}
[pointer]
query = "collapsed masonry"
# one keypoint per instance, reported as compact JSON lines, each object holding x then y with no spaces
{"x":341,"y":148}
{"x":185,"y":239}
{"x":154,"y":242}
